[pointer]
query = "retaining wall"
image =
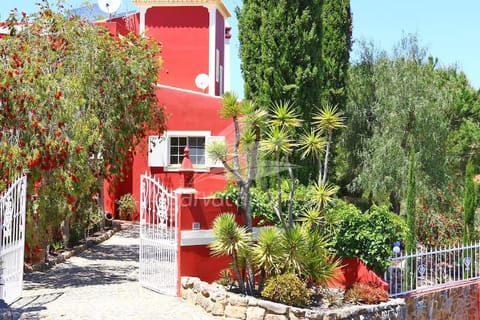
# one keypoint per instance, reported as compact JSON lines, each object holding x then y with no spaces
{"x":222,"y":304}
{"x":460,"y":302}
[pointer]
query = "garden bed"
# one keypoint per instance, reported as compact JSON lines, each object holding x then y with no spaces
{"x":221,"y":303}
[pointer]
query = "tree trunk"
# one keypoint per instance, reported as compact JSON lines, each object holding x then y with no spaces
{"x":327,"y":154}
{"x":236,"y":271}
{"x":65,"y":227}
{"x":291,"y":194}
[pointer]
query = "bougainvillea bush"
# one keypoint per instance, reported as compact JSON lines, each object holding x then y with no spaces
{"x":74,"y":101}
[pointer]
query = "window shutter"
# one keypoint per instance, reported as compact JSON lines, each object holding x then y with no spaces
{"x":209,"y":161}
{"x":157,"y":151}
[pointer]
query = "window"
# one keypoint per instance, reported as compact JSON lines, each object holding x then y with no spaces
{"x":196,"y":146}
{"x":167,"y":150}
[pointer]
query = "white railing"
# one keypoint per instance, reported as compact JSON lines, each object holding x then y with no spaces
{"x":431,"y":269}
{"x":12,"y":239}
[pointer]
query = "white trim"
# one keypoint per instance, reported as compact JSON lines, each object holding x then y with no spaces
{"x":203,"y":237}
{"x":212,"y":18}
{"x":6,"y":30}
{"x":217,"y":65}
{"x":143,"y":11}
{"x":186,"y":133}
{"x":159,"y":150}
{"x":209,"y":161}
{"x":221,"y":84}
{"x":159,"y":85}
{"x":227,"y":84}
{"x":180,"y":191}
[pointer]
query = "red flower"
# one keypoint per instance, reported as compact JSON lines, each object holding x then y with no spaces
{"x":78,"y":149}
{"x":70,"y":199}
{"x":58,"y":95}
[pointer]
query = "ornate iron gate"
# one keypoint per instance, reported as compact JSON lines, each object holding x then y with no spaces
{"x":158,"y":237}
{"x":12,"y":220}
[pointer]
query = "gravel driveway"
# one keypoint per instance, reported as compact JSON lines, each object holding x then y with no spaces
{"x":99,"y":283}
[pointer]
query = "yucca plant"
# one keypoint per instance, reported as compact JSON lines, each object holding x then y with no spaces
{"x":319,"y":265}
{"x":230,"y":239}
{"x":311,"y":219}
{"x":306,"y":253}
{"x":326,"y":121}
{"x":323,"y":193}
{"x":295,"y":247}
{"x":267,"y":253}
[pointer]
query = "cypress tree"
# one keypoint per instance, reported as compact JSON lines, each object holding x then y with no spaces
{"x":336,"y":43}
{"x":469,"y":203}
{"x":295,"y":50}
{"x":411,"y":242}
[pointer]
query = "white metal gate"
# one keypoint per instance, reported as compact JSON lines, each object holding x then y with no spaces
{"x":158,"y":237}
{"x":12,"y":233}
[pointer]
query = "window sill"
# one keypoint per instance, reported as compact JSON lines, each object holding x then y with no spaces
{"x":178,"y":169}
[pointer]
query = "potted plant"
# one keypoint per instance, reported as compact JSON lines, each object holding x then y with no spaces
{"x":126,"y":206}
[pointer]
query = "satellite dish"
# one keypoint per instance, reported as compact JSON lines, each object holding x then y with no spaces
{"x":109,"y":6}
{"x":201,"y":81}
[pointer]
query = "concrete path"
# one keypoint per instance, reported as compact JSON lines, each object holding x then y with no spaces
{"x":99,"y":284}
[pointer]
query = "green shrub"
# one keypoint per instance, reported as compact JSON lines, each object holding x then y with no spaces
{"x":287,"y":289}
{"x":370,"y":236}
{"x":368,"y":293}
{"x":225,"y":278}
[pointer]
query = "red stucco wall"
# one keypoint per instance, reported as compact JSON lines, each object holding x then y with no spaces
{"x":130,"y":22}
{"x":183,"y":33}
{"x":196,"y":261}
{"x":353,"y":270}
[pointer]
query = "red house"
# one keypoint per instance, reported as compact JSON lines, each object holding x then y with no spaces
{"x":195,"y":72}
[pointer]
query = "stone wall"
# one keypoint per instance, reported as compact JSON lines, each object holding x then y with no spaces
{"x":460,"y":302}
{"x":222,"y":304}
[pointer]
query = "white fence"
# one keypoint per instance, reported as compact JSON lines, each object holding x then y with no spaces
{"x":12,"y":239}
{"x":430,"y":269}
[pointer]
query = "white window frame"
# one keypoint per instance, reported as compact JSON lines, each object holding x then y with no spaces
{"x":159,"y":150}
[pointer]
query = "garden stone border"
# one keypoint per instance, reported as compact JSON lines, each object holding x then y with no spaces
{"x":222,"y":304}
{"x":90,"y":242}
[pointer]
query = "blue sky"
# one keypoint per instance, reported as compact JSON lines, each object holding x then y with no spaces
{"x":448,"y":29}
